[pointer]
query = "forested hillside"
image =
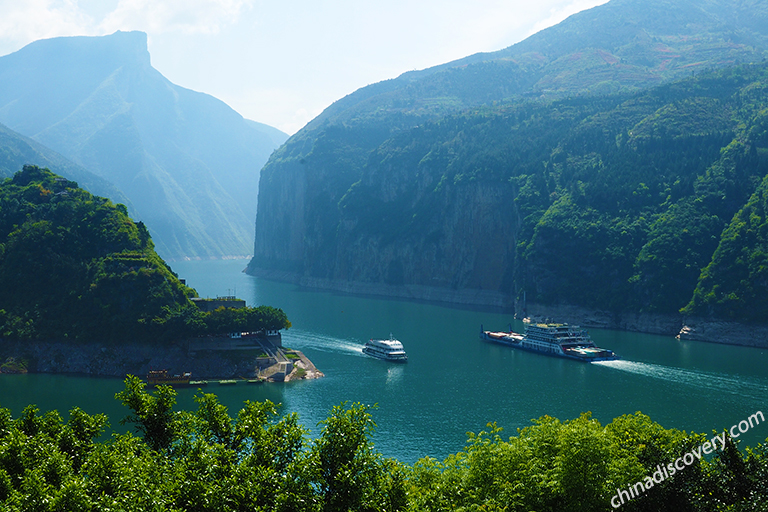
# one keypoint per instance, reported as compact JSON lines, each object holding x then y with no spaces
{"x":566,"y":170}
{"x":74,"y":266}
{"x":616,"y":202}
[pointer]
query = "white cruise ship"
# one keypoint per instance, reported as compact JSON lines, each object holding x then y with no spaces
{"x":389,"y":350}
{"x":560,"y":340}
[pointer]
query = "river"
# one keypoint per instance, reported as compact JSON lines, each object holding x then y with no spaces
{"x":453,"y":382}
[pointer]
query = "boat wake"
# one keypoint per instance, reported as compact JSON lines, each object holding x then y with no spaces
{"x":301,"y":340}
{"x":720,"y":382}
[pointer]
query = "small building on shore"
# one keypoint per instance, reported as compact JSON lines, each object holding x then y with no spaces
{"x":227,"y":301}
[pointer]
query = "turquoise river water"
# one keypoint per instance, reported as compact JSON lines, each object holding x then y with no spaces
{"x":453,"y":382}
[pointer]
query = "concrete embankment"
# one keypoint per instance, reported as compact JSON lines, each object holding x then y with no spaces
{"x":206,"y":360}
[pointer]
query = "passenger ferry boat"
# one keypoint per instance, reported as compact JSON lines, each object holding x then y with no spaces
{"x":161,"y":377}
{"x":561,"y":340}
{"x":389,"y":350}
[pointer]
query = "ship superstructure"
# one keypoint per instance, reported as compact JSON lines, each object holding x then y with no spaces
{"x":562,"y":340}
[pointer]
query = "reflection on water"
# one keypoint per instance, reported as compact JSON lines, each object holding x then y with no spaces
{"x":395,"y":374}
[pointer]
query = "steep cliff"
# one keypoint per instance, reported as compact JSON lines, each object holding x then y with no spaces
{"x":615,"y":202}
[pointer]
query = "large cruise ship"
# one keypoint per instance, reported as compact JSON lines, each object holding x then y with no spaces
{"x":389,"y":350}
{"x":561,"y":340}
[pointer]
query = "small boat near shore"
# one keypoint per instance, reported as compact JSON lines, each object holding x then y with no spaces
{"x":162,"y":378}
{"x":559,"y":340}
{"x":388,"y":350}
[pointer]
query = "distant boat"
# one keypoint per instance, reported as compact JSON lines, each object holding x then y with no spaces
{"x":388,"y":350}
{"x":161,"y":377}
{"x":560,"y":340}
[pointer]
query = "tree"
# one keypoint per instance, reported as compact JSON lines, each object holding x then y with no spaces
{"x":153,"y":415}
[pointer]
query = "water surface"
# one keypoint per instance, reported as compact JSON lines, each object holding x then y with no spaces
{"x":453,"y":382}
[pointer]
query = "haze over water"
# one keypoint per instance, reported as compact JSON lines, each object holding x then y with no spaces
{"x":453,"y":382}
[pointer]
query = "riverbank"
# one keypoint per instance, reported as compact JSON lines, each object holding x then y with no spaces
{"x":683,"y":328}
{"x":436,"y":294}
{"x":695,"y":329}
{"x":209,"y":359}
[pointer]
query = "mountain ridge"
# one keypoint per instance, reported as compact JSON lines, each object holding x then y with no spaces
{"x":16,"y":151}
{"x":188,"y":162}
{"x":553,"y":43}
{"x":478,"y":200}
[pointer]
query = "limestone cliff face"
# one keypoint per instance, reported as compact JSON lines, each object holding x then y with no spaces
{"x":462,"y":237}
{"x":389,"y":234}
{"x":280,"y":226}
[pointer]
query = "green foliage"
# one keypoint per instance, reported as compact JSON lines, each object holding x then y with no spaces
{"x":617,"y":202}
{"x":153,"y":415}
{"x":209,"y":461}
{"x":349,"y":474}
{"x":247,"y":319}
{"x":75,"y":266}
{"x":733,"y":285}
{"x":579,"y":465}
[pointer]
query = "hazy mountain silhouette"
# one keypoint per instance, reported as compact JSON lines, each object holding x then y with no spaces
{"x":187,"y":161}
{"x":16,"y":151}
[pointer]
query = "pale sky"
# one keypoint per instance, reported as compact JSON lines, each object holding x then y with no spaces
{"x":283,"y":62}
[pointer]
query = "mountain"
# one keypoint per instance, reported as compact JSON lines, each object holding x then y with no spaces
{"x":75,"y":268}
{"x":565,"y":170}
{"x":188,"y":163}
{"x":16,"y":151}
{"x":624,"y":45}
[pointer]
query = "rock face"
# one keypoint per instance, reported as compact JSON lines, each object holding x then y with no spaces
{"x":117,"y":361}
{"x":465,"y":255}
{"x":477,"y":181}
{"x":108,"y":360}
{"x":702,"y":329}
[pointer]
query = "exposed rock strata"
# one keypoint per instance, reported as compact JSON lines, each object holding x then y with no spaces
{"x":699,"y":329}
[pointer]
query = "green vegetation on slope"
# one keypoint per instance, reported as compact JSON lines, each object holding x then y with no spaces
{"x":471,"y":175}
{"x":611,"y":202}
{"x":209,"y":461}
{"x":74,"y":266}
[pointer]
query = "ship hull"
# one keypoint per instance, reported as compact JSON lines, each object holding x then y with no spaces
{"x":515,"y":340}
{"x":384,"y":357}
{"x":371,"y":353}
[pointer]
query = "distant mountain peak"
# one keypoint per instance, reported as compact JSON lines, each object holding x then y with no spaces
{"x":188,"y":163}
{"x":118,"y":48}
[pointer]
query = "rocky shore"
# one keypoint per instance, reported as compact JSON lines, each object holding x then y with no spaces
{"x":109,"y":360}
